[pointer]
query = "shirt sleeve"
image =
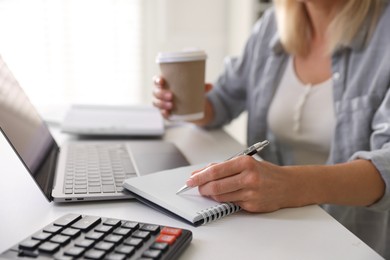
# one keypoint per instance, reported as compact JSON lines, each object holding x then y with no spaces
{"x":229,"y":95}
{"x":380,"y":150}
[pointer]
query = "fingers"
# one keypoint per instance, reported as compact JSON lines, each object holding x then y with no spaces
{"x":236,"y":197}
{"x":163,"y":101}
{"x":255,"y":186}
{"x":216,"y":172}
{"x":162,"y":97}
{"x":164,"y":107}
{"x":199,"y":170}
{"x":160,"y":91}
{"x":208,"y":87}
{"x":222,"y":188}
{"x":158,"y":81}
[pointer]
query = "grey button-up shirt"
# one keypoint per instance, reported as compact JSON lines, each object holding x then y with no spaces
{"x":361,"y":81}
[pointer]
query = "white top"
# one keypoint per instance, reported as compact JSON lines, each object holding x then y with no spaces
{"x":301,"y":116}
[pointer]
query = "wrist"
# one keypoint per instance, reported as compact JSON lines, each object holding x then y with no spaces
{"x":303,"y":186}
{"x":355,"y":183}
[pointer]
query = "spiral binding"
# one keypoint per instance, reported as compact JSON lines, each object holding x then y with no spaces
{"x":218,"y":211}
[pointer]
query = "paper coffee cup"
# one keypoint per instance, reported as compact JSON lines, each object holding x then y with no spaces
{"x":184,"y":74}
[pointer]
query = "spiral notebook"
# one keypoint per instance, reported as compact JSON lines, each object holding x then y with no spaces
{"x":158,"y":190}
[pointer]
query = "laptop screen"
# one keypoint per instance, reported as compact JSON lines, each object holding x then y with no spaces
{"x":24,"y":129}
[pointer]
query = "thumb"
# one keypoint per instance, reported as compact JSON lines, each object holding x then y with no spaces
{"x":208,"y":87}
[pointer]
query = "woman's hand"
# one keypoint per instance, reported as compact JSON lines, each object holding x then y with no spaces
{"x":163,"y":100}
{"x":162,"y":97}
{"x":260,"y":186}
{"x":256,"y":186}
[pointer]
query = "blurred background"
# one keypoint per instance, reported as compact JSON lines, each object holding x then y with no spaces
{"x":103,"y":51}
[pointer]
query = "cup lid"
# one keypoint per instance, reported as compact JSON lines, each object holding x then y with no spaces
{"x":180,"y":56}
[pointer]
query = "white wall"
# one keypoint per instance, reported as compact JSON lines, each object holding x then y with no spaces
{"x":220,"y":27}
{"x":178,"y":24}
{"x":242,"y":15}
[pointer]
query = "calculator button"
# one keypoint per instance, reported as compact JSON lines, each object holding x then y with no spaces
{"x":151,"y":228}
{"x":94,"y":254}
{"x":86,"y":223}
{"x":94,"y":235}
{"x":30,"y":244}
{"x":126,"y":250}
{"x":112,"y":222}
{"x":171,"y":231}
{"x":150,"y":253}
{"x":41,"y":236}
{"x":104,"y":228}
{"x":166,"y":239}
{"x":60,"y":239}
{"x":141,"y":234}
{"x":136,"y":242}
{"x":67,"y":220}
{"x":52,"y":229}
{"x":71,"y":232}
{"x":86,"y":243}
{"x":49,"y":247}
{"x":74,"y":251}
{"x":125,"y":232}
{"x":115,"y":256}
{"x":130,"y":224}
{"x":116,"y":239}
{"x":105,"y":246}
{"x":160,"y":246}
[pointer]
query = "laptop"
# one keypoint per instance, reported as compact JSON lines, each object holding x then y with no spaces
{"x":79,"y":170}
{"x":102,"y":120}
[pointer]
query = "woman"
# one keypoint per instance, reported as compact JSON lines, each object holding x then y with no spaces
{"x":314,"y":78}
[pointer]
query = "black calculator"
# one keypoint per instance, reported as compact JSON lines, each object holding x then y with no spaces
{"x":75,"y":236}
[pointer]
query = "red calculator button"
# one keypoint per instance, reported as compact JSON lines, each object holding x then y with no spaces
{"x":166,"y":239}
{"x":171,"y":231}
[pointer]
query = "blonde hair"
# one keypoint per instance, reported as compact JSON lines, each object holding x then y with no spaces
{"x":295,"y":28}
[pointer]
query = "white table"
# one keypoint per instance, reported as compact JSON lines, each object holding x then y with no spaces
{"x":300,"y":233}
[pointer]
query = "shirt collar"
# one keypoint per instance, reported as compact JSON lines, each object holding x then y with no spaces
{"x":276,"y":45}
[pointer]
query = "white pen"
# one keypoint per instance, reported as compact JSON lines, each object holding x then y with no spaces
{"x":253,"y":149}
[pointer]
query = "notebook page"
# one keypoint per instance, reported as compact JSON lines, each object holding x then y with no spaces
{"x":161,"y":188}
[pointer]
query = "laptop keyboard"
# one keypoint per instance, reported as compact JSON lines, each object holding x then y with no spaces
{"x":97,"y":168}
{"x":93,"y":237}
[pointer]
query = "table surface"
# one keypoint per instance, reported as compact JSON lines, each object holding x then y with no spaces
{"x":298,"y":233}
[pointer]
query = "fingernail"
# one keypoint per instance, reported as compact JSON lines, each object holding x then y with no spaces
{"x":190,"y":182}
{"x":158,"y":81}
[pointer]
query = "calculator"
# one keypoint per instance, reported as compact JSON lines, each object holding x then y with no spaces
{"x":75,"y":236}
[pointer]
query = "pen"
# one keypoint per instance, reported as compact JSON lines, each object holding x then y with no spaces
{"x":251,"y":150}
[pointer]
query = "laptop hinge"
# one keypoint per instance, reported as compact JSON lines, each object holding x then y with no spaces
{"x":53,"y":157}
